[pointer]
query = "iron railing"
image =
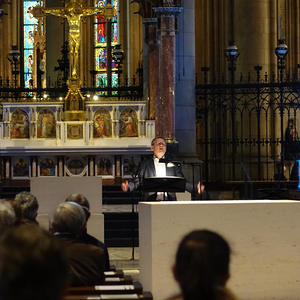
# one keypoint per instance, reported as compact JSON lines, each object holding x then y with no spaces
{"x":241,"y":127}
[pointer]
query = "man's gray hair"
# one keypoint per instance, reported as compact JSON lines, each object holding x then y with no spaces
{"x":82,"y":201}
{"x":69,"y":218}
{"x":7,"y":215}
{"x":27,"y":204}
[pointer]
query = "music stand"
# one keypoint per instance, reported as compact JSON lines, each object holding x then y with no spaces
{"x":163,"y":184}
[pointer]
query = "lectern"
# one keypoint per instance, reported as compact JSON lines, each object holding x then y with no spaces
{"x":170,"y":184}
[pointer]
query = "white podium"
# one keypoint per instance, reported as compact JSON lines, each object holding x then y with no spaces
{"x":264,"y":236}
{"x":52,"y":191}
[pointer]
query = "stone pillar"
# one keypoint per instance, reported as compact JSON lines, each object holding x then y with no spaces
{"x":151,"y":41}
{"x":254,"y":35}
{"x":165,"y":106}
{"x":185,"y":99}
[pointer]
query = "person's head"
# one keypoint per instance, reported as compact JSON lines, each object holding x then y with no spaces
{"x":82,"y":201}
{"x":28,"y":205}
{"x":32,"y":265}
{"x":202,"y":264}
{"x":69,"y":218}
{"x":158,"y":147}
{"x":7,"y":216}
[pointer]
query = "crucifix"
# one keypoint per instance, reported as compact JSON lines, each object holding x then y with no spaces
{"x":73,"y":11}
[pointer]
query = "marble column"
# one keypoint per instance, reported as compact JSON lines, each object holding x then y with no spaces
{"x":165,"y":106}
{"x":151,"y":40}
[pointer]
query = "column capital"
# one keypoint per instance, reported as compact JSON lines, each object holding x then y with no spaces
{"x":168,"y":11}
{"x":150,"y":20}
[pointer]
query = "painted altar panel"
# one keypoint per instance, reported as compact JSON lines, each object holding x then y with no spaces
{"x":130,"y":166}
{"x":105,"y":166}
{"x":128,"y":123}
{"x":46,"y":125}
{"x":75,"y":131}
{"x":102,"y":123}
{"x":20,"y":167}
{"x":76,"y":166}
{"x":47,"y":166}
{"x":19,"y":125}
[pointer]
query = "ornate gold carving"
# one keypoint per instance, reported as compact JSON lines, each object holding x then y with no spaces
{"x":73,"y":11}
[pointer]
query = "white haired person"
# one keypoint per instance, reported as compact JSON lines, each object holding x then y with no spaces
{"x":86,"y":262}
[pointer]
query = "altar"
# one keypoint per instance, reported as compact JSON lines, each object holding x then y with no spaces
{"x":263,"y":234}
{"x":50,"y":192}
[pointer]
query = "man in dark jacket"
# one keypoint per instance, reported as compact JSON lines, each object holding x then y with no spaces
{"x":86,"y":262}
{"x":85,"y":237}
{"x":158,"y":167}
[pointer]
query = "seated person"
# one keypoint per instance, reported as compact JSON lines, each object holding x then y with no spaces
{"x":292,"y":147}
{"x":27,"y":205}
{"x":86,"y":261}
{"x":153,"y":167}
{"x":32,"y":265}
{"x":7,"y":216}
{"x":85,"y":237}
{"x":202,"y":267}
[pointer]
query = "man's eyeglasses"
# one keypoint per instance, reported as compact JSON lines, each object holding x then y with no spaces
{"x":160,"y":144}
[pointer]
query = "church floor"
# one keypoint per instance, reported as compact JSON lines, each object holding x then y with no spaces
{"x":121,"y":258}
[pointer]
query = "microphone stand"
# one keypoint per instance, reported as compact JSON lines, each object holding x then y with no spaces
{"x":136,"y":176}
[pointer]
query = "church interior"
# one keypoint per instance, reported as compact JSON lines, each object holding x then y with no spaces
{"x":85,"y":85}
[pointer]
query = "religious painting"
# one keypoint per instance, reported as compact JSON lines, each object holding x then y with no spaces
{"x":130,"y":166}
{"x":75,"y":131}
{"x":76,"y":166}
{"x":102,"y":124}
{"x":47,"y":166}
{"x":19,"y":125}
{"x":46,"y":125}
{"x":128,"y":123}
{"x":105,"y":166}
{"x":20,"y":167}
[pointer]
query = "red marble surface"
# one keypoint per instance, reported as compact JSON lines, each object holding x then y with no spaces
{"x":165,"y":106}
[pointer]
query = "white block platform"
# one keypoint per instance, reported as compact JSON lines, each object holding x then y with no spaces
{"x":264,"y":236}
{"x":52,"y":191}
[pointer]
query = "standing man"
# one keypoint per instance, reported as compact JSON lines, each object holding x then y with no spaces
{"x":154,"y":168}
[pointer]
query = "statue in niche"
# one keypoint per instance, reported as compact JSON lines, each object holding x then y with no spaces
{"x":128,"y":123}
{"x":19,"y":125}
{"x":46,"y":125}
{"x":102,"y":124}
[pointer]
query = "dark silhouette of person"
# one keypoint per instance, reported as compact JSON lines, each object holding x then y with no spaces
{"x":292,"y":147}
{"x":202,"y":267}
{"x":32,"y":265}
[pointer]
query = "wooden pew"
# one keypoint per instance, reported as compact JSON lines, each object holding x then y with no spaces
{"x":127,"y":279}
{"x":114,"y":273}
{"x":133,"y":288}
{"x":132,"y":296}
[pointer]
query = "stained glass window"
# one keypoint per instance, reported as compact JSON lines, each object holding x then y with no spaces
{"x":29,"y":25}
{"x":100,"y":43}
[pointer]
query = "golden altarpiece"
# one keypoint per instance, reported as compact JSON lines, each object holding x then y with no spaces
{"x":87,"y":116}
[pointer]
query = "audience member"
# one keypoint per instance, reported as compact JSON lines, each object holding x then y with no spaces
{"x":28,"y":206}
{"x":86,"y":261}
{"x":85,"y":237}
{"x":202,"y":267}
{"x":7,"y":216}
{"x":32,"y":265}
